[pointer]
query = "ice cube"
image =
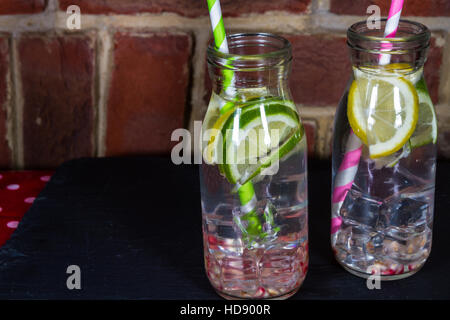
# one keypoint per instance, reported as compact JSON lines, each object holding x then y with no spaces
{"x":361,"y":209}
{"x":377,"y":241}
{"x":270,"y":226}
{"x":265,"y":215}
{"x":404,"y":212}
{"x":398,"y":234}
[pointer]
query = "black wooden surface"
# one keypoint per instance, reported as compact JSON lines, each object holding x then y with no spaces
{"x":133,"y":225}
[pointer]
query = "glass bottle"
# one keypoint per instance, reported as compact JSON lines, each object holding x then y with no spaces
{"x":253,"y":176}
{"x":384,"y":155}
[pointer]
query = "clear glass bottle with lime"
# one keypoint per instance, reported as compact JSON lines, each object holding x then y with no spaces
{"x":384,"y":222}
{"x":253,"y":177}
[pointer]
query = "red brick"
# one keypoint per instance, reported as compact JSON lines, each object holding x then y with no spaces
{"x":432,"y":70}
{"x":5,"y":152}
{"x":411,"y":7}
{"x":149,"y":92}
{"x":320,"y":69}
{"x":310,"y":129}
{"x":187,"y":8}
{"x":22,"y":6}
{"x":57,"y":81}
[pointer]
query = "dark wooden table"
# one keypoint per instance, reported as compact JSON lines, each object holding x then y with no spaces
{"x":114,"y":218}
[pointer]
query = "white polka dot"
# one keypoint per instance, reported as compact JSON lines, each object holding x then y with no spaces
{"x":12,"y":224}
{"x":45,"y":178}
{"x":1,"y":177}
{"x":1,"y":209}
{"x":13,"y":187}
{"x":29,"y":200}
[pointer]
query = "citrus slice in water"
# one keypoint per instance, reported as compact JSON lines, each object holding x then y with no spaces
{"x":213,"y":136}
{"x":404,"y":70}
{"x":426,"y":129}
{"x":276,"y":155}
{"x":257,"y":136}
{"x":383,"y":112}
{"x":213,"y":133}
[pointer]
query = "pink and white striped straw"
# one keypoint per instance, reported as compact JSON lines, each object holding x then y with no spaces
{"x":350,"y":162}
{"x":391,"y":28}
{"x":344,"y":178}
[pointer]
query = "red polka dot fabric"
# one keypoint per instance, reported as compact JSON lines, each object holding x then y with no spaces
{"x":18,"y":189}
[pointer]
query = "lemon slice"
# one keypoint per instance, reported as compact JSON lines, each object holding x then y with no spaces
{"x":213,"y":137}
{"x":404,"y":70}
{"x":383,"y":112}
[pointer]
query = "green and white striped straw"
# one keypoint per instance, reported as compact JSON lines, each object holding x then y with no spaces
{"x":246,"y":192}
{"x":215,"y":14}
{"x":220,"y":40}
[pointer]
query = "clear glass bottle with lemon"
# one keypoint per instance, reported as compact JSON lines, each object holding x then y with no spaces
{"x":383,"y":201}
{"x":253,"y":177}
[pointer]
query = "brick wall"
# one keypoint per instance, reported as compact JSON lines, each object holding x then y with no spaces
{"x":136,"y":71}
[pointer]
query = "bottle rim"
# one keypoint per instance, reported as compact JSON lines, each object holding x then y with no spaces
{"x":277,"y":51}
{"x":414,"y":36}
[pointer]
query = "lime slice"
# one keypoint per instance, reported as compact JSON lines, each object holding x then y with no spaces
{"x":426,"y":128}
{"x":383,"y":112}
{"x":278,"y":154}
{"x":214,"y":122}
{"x":414,"y":77}
{"x":256,"y":136}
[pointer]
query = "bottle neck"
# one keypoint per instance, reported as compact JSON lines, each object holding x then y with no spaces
{"x":408,"y":49}
{"x":270,"y":81}
{"x":256,"y":64}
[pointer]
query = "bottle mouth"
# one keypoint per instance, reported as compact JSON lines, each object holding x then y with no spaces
{"x":251,"y":52}
{"x":410,"y":35}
